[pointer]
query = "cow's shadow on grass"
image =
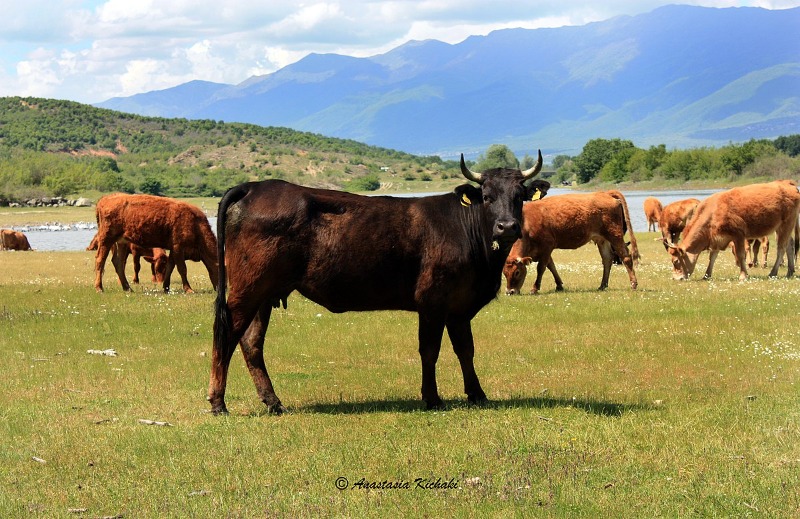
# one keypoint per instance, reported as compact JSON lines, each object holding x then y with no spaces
{"x":596,"y":407}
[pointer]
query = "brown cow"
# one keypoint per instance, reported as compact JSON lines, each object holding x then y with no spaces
{"x":753,"y":246}
{"x":674,"y":218}
{"x":733,"y":216}
{"x":152,"y":221}
{"x":156,"y":257}
{"x":652,"y":211}
{"x":568,"y":222}
{"x":13,"y":240}
{"x":439,"y":256}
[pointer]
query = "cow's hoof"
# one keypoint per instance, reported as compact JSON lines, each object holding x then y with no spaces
{"x":220,"y":411}
{"x":277,"y":409}
{"x":478,"y":399}
{"x":434,"y":405}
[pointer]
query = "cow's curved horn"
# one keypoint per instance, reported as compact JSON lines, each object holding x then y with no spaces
{"x":530,"y":173}
{"x":469,"y":174}
{"x":670,"y":244}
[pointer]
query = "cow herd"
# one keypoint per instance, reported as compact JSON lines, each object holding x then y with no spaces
{"x":442,"y":257}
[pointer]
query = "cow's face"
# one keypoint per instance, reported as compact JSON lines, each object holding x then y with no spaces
{"x":501,"y":196}
{"x":160,"y":261}
{"x":682,"y":262}
{"x":515,"y":271}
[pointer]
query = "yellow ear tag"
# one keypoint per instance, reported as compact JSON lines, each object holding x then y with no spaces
{"x":465,"y":201}
{"x":537,"y":195}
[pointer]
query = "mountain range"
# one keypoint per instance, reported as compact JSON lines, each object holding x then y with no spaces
{"x":683,"y":76}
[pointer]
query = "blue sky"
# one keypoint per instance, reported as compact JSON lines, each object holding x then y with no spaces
{"x":92,"y":50}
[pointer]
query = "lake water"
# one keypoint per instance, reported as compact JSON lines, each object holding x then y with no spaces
{"x":54,"y":237}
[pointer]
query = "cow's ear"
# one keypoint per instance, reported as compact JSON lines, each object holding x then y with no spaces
{"x":468,"y":195}
{"x":536,"y":189}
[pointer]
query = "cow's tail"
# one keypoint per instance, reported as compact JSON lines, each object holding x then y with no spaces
{"x":222,"y":315}
{"x":796,"y":238}
{"x":634,"y":246}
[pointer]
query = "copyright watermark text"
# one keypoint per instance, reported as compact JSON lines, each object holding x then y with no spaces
{"x":342,"y":483}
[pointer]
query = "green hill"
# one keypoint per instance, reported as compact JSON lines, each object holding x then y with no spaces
{"x":59,"y":148}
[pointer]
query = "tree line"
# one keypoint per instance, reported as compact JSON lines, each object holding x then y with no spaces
{"x":618,"y":160}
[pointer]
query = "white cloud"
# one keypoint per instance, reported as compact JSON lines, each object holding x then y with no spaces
{"x":90,"y":50}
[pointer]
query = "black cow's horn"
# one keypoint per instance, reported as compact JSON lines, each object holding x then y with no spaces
{"x":530,"y":173}
{"x":469,"y":174}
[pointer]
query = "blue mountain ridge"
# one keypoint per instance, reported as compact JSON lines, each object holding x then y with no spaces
{"x":682,"y":76}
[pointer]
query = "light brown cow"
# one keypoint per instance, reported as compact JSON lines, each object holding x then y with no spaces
{"x":156,"y":257}
{"x":733,"y":216}
{"x":13,"y":240}
{"x":152,"y":221}
{"x":674,"y":218}
{"x":568,"y":222}
{"x":754,"y":246}
{"x":652,"y":211}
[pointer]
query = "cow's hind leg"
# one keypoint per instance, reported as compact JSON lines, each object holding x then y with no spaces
{"x":252,"y":344}
{"x":460,"y":333}
{"x":430,"y":342}
{"x":739,"y":252}
{"x":103,"y":249}
{"x":551,"y":266}
{"x":119,"y":257}
{"x":608,"y":258}
{"x":230,"y":323}
{"x":784,"y":239}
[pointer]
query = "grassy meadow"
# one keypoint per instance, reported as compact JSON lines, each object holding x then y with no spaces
{"x":677,"y":399}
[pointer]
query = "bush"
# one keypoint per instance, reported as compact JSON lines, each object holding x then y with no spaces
{"x":366,"y":183}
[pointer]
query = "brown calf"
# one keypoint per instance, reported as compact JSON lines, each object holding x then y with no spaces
{"x":674,"y":218}
{"x":150,"y":222}
{"x":568,"y":222}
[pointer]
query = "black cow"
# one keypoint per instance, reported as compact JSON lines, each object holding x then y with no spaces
{"x":440,"y":256}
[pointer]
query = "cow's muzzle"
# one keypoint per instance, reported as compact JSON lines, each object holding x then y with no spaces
{"x":506,"y":230}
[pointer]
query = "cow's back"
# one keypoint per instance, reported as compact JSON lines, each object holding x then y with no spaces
{"x":755,"y":210}
{"x":570,"y":221}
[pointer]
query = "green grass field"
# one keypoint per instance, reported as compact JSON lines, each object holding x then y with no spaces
{"x":677,"y":399}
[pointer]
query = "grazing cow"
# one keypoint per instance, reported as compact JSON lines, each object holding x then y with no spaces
{"x":753,"y":246}
{"x":674,"y":218}
{"x":568,"y":222}
{"x":733,"y":216}
{"x":13,"y":240}
{"x":652,"y":211}
{"x":440,"y":256}
{"x":157,"y":257}
{"x":150,"y":222}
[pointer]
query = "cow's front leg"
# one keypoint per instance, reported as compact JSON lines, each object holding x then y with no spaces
{"x":740,"y":261}
{"x":430,"y":342}
{"x":180,"y":264}
{"x":541,"y":265}
{"x":460,"y":333}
